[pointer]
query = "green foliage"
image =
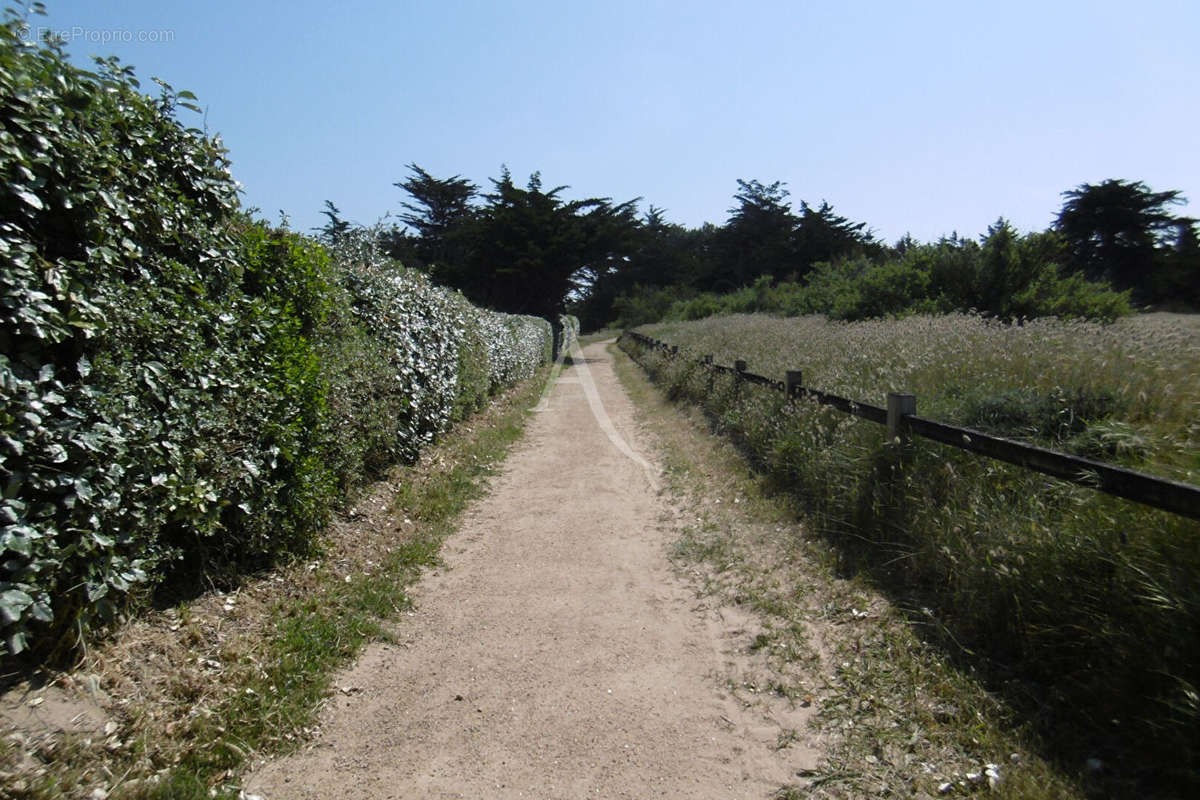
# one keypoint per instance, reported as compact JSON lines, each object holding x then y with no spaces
{"x":441,"y":213}
{"x":335,"y":227}
{"x":1050,"y":293}
{"x":474,"y":381}
{"x":521,"y":249}
{"x":1013,"y":276}
{"x":643,"y":305}
{"x":185,"y":393}
{"x":758,"y":237}
{"x":659,"y":254}
{"x":527,"y":249}
{"x":403,"y":359}
{"x":116,"y":263}
{"x":1122,"y":232}
{"x":860,"y":289}
{"x":1004,"y":274}
{"x":1110,"y":235}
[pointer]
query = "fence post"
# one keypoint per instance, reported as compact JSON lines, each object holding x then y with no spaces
{"x":898,"y":405}
{"x":793,"y":382}
{"x":739,"y":365}
{"x":708,"y":359}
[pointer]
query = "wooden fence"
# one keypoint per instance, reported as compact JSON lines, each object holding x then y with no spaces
{"x":900,"y":417}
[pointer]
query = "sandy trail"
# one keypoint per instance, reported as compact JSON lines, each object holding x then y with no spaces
{"x":558,"y":655}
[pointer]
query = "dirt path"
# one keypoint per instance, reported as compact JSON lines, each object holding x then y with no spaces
{"x":558,"y":655}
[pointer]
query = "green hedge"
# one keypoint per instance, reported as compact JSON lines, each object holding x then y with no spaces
{"x":185,"y":392}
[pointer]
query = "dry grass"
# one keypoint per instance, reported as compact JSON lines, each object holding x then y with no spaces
{"x":894,"y":716}
{"x":1080,"y":609}
{"x":1149,"y":364}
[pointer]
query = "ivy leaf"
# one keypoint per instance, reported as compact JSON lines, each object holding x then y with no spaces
{"x":17,"y":642}
{"x":12,"y":603}
{"x":30,"y":198}
{"x":19,"y":539}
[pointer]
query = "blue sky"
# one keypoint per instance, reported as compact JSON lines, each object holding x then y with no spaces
{"x":921,"y":117}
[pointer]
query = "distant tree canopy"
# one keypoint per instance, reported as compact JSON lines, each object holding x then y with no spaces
{"x":533,"y":248}
{"x":441,"y":214}
{"x":514,"y":249}
{"x":763,"y":237}
{"x":1122,"y":232}
{"x":527,"y":249}
{"x":335,"y":228}
{"x":759,"y":237}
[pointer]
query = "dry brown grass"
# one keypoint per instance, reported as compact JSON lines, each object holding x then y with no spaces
{"x":1149,"y":364}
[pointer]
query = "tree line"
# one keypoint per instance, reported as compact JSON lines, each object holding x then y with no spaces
{"x":526,"y":249}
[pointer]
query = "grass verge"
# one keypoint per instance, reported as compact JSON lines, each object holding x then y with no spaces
{"x":894,"y":715}
{"x":1079,"y":609}
{"x":193,"y":693}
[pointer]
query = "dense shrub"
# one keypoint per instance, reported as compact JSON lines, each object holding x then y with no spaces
{"x":403,"y":359}
{"x":860,"y":289}
{"x":1004,"y":275}
{"x":645,"y":304}
{"x":120,"y":284}
{"x":184,"y":392}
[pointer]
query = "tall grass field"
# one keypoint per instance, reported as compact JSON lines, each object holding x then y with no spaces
{"x":1081,"y":609}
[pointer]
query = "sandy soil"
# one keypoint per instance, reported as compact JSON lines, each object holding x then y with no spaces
{"x":558,"y":654}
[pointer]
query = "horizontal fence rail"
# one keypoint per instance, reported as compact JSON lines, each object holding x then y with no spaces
{"x":1162,"y":493}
